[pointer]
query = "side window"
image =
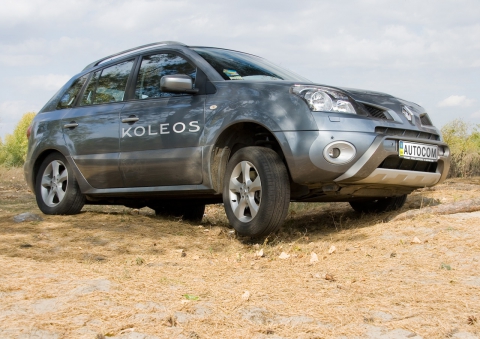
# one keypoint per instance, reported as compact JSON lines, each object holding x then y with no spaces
{"x":154,"y":67}
{"x":71,"y":94}
{"x":107,"y":85}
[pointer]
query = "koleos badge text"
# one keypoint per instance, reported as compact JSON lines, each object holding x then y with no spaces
{"x":166,"y":128}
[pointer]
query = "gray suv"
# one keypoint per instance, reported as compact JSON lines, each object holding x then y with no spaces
{"x":175,"y":127}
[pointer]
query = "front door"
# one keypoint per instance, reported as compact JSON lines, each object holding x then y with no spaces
{"x":160,"y":132}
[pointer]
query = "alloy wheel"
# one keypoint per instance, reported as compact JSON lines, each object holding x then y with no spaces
{"x":245,"y":189}
{"x":54,"y":183}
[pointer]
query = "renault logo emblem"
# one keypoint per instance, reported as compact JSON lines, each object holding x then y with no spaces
{"x":407,"y":113}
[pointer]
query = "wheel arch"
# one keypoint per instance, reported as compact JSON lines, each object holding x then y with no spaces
{"x":39,"y":160}
{"x":235,"y":137}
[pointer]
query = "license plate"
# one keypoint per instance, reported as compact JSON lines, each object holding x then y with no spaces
{"x":414,"y":151}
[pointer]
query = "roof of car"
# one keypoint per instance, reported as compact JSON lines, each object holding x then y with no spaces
{"x":131,"y":51}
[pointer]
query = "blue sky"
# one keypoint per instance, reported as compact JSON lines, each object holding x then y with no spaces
{"x":424,"y":51}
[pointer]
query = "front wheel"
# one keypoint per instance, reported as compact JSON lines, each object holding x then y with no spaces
{"x":256,"y":192}
{"x":379,"y":205}
{"x":56,"y":189}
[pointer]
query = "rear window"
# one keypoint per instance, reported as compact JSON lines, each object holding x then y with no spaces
{"x":68,"y":98}
{"x":107,"y":85}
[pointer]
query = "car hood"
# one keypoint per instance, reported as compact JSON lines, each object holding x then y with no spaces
{"x":382,"y":99}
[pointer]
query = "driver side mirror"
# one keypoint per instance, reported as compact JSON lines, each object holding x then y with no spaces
{"x":178,"y":83}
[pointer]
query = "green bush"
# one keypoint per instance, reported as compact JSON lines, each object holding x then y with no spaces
{"x":14,"y":150}
{"x":464,"y":143}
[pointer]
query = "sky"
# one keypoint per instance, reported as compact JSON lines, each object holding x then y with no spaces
{"x":424,"y":51}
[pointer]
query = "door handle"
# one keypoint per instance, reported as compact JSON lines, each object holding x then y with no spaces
{"x":131,"y":119}
{"x":73,"y":124}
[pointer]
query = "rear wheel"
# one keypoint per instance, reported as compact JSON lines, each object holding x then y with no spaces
{"x":190,"y":211}
{"x":256,"y":192}
{"x":379,"y":205}
{"x":56,"y":189}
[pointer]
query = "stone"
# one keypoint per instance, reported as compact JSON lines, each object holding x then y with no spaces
{"x":383,"y":316}
{"x":464,"y":335}
{"x":256,"y":315}
{"x":313,"y":258}
{"x":27,"y":216}
{"x":246,"y":295}
{"x":260,"y":253}
{"x":374,"y":332}
{"x":294,"y":320}
{"x":46,"y":305}
{"x":90,"y":286}
{"x":39,"y":334}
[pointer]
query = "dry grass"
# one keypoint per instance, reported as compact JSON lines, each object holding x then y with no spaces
{"x":110,"y":271}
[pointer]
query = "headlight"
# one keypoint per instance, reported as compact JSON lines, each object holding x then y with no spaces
{"x":324,"y":99}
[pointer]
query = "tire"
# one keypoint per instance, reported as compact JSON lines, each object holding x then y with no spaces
{"x":56,"y":189}
{"x":256,"y":205}
{"x":187,"y":211}
{"x":379,"y":205}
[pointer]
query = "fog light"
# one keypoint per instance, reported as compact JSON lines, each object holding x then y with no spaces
{"x":339,"y":152}
{"x":334,"y":153}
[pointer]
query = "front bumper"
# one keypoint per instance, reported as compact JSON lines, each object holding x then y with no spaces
{"x":308,"y":166}
{"x":366,"y":169}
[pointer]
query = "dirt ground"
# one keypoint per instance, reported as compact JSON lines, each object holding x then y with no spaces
{"x":329,"y":273}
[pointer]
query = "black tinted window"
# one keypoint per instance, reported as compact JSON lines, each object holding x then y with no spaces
{"x":233,"y":65}
{"x":107,"y":85}
{"x":68,"y":98}
{"x":154,"y":67}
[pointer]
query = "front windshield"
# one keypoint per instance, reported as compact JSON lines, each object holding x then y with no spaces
{"x":232,"y":65}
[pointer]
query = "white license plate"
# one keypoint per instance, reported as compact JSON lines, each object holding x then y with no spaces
{"x":414,"y":151}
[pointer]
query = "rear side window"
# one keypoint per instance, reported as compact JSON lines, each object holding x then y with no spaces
{"x":68,"y":98}
{"x":154,"y":67}
{"x":107,"y":85}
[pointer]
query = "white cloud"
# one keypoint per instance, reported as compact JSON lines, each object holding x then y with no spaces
{"x":475,"y":115}
{"x":456,"y":101}
{"x":13,"y":110}
{"x":6,"y":128}
{"x":49,"y":82}
{"x":10,"y":114}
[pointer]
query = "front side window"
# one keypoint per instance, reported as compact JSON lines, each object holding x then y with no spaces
{"x":154,"y":67}
{"x":107,"y":85}
{"x":68,"y":98}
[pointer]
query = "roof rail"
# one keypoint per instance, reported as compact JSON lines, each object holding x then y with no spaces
{"x":130,"y":51}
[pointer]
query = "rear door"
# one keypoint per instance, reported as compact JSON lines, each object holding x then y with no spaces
{"x":91,"y":130}
{"x":160,"y":132}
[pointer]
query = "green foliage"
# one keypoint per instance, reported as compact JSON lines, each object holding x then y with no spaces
{"x":14,"y":150}
{"x":464,"y":143}
{"x":191,"y":297}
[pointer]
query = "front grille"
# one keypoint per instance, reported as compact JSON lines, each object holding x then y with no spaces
{"x":425,"y":120}
{"x":376,"y":112}
{"x":395,"y":162}
{"x":406,"y":133}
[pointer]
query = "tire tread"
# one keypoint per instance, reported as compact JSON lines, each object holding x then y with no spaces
{"x":275,"y":183}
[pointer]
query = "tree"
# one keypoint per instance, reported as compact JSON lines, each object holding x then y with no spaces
{"x":14,"y":150}
{"x":464,"y":147}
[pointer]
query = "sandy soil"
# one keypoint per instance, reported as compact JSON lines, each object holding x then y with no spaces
{"x":116,"y":272}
